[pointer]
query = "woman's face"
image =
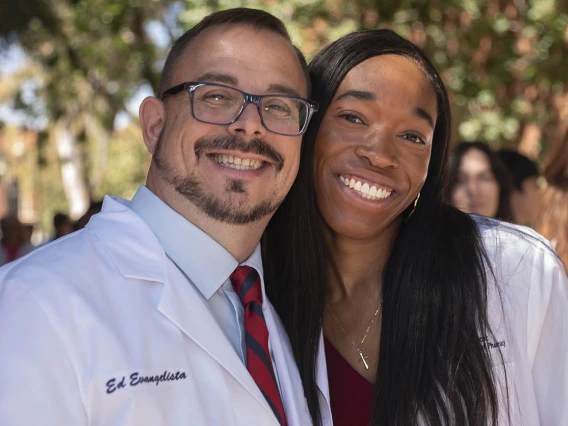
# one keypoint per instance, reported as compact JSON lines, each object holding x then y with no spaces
{"x":373,"y":147}
{"x":476,"y":189}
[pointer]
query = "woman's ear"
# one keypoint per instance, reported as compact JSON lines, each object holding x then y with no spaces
{"x":152,"y":119}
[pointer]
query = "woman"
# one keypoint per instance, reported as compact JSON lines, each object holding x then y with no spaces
{"x":367,"y":248}
{"x":479,"y":182}
{"x":552,"y":220}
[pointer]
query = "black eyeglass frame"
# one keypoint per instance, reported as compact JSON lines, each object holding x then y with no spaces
{"x":248,"y":98}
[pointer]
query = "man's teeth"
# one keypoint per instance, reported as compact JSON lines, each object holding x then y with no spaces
{"x":237,"y":162}
{"x":365,"y":190}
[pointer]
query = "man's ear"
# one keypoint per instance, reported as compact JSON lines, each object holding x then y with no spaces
{"x":152,"y":119}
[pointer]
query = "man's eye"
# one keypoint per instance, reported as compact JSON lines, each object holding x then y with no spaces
{"x":215,"y":97}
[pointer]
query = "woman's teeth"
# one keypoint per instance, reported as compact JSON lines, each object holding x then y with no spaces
{"x":365,"y":190}
{"x":238,"y":163}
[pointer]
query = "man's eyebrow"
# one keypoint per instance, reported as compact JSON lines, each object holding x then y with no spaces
{"x":218,"y":78}
{"x":282,"y":89}
{"x":419,"y":112}
{"x":358,"y":94}
{"x":232,"y":81}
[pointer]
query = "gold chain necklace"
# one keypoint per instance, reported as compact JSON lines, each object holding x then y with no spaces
{"x":358,"y":348}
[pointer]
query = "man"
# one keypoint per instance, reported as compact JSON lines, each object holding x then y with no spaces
{"x":525,"y":197}
{"x":154,"y":313}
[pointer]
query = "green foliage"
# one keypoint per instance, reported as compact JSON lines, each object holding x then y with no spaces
{"x":127,"y":164}
{"x":504,"y":62}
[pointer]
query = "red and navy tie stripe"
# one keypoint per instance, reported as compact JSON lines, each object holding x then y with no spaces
{"x":246,"y":283}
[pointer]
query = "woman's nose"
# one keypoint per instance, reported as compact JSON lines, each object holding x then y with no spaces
{"x":379,"y":150}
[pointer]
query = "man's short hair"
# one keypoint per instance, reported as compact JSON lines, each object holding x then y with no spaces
{"x":519,"y":166}
{"x":258,"y":19}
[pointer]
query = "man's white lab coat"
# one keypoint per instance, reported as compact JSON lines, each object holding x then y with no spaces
{"x":101,"y":328}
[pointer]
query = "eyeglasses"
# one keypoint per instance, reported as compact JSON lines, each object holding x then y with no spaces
{"x":214,"y":103}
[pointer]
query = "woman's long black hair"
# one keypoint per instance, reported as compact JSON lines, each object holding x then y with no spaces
{"x":431,"y":362}
{"x":502,"y":175}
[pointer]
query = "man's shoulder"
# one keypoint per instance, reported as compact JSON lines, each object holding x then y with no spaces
{"x":55,"y":263}
{"x":92,"y":251}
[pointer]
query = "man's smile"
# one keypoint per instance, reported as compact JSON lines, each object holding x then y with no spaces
{"x":238,"y":163}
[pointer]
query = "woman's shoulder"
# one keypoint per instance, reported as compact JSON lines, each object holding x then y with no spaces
{"x":507,"y":239}
{"x":518,"y":254}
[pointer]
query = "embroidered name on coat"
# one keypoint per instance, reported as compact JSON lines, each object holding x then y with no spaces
{"x":136,"y":379}
{"x":491,"y":345}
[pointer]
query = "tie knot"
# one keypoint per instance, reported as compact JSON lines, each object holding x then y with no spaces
{"x":246,"y":283}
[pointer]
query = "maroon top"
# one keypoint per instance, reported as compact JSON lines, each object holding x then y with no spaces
{"x":350,"y":393}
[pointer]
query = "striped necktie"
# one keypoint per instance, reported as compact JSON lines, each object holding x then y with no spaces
{"x":246,"y":283}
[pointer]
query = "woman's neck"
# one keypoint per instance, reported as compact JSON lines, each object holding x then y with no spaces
{"x":356,"y":266}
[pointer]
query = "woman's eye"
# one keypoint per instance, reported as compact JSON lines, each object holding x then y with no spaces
{"x":412,"y":137}
{"x":351,"y":118}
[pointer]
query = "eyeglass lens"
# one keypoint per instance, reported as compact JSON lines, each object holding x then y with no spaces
{"x":220,"y":105}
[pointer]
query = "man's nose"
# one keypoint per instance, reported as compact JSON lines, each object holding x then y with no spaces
{"x":249,"y":123}
{"x":379,"y":150}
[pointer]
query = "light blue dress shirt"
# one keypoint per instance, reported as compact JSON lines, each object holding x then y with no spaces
{"x":206,"y":264}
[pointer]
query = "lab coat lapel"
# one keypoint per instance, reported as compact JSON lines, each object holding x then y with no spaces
{"x":323,"y":384}
{"x":289,"y":380}
{"x":182,"y":304}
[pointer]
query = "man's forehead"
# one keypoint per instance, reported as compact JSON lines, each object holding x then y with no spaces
{"x":230,"y":53}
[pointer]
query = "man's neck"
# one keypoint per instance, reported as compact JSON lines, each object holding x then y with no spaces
{"x":239,"y":240}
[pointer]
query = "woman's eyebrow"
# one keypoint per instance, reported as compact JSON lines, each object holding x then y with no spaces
{"x":419,"y":112}
{"x":370,"y":96}
{"x":358,"y":94}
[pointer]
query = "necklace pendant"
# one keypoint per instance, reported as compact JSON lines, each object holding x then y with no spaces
{"x":363,"y":359}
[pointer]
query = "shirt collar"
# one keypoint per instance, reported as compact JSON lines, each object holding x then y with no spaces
{"x":205,"y":262}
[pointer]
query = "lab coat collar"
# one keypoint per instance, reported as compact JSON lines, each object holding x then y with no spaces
{"x":135,"y":253}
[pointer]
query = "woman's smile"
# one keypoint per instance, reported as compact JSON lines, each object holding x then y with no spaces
{"x":367,"y":190}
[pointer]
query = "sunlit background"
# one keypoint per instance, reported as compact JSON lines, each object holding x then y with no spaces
{"x":73,"y":72}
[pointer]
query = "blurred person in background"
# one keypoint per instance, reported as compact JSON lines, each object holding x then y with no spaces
{"x":94,"y":208}
{"x":552,"y":220}
{"x":62,"y":225}
{"x":13,"y":244}
{"x":479,"y":182}
{"x":526,"y":192}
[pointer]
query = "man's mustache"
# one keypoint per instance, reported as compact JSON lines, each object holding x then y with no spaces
{"x":236,"y":143}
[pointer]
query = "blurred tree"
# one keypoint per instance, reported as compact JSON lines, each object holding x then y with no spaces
{"x":94,"y":56}
{"x":504,"y":62}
